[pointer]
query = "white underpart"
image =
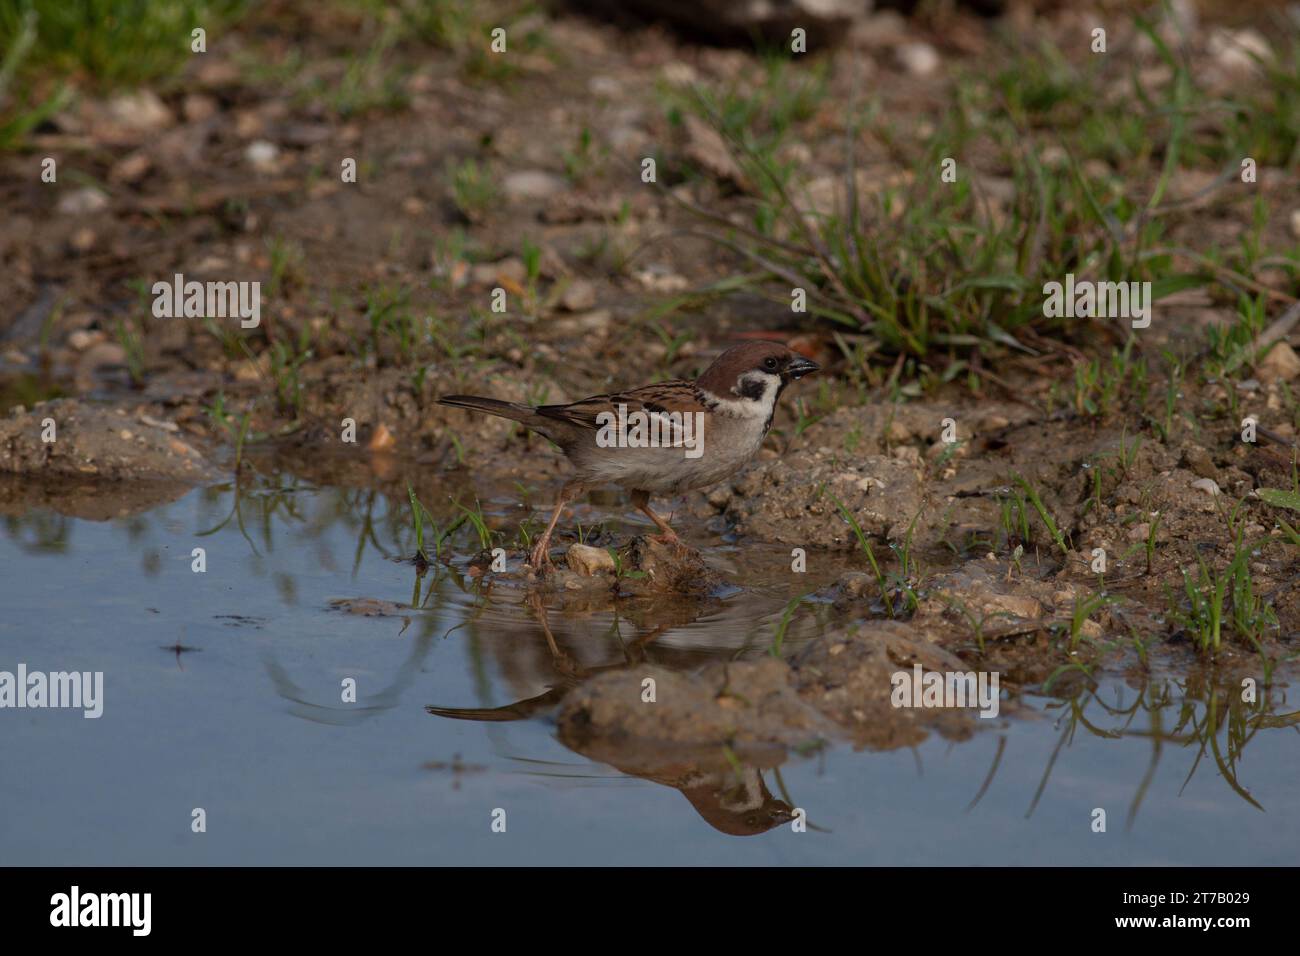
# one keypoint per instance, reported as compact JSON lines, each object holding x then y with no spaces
{"x":733,"y":433}
{"x":744,"y":793}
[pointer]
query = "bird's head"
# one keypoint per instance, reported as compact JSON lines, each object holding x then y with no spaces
{"x":756,"y":371}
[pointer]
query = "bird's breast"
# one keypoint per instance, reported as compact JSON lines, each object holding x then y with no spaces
{"x":721,"y":446}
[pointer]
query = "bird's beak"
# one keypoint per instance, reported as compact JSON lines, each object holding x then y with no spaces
{"x":800,"y":366}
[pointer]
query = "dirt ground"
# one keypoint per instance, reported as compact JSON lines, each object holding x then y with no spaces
{"x":231,"y":172}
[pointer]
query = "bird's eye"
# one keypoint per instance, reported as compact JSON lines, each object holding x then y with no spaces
{"x":769,"y":363}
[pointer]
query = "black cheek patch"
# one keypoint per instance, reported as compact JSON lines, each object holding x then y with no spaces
{"x":752,"y":389}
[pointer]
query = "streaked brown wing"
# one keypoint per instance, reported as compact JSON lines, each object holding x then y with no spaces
{"x":676,"y":396}
{"x":667,"y":397}
{"x":582,"y":412}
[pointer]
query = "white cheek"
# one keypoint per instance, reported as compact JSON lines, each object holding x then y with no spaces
{"x":770,"y":384}
{"x":755,"y":411}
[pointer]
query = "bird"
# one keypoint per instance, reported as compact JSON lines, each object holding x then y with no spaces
{"x":661,"y":439}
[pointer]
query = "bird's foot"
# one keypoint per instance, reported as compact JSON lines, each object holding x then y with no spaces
{"x":539,"y":559}
{"x":668,"y":536}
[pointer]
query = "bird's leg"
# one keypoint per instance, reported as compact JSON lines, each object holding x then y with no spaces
{"x":540,"y":558}
{"x":641,"y":499}
{"x":564,"y":664}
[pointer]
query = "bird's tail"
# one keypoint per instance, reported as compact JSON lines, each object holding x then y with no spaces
{"x":519,"y":710}
{"x":512,"y":410}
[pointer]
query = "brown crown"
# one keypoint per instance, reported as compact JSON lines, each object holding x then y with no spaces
{"x":719,"y":377}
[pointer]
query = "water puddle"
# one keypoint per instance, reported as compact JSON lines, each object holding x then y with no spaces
{"x":224,"y":691}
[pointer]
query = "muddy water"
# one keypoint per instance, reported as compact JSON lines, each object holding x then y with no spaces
{"x":223,"y":691}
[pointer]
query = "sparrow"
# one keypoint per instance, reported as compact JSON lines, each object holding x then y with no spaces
{"x":662,"y":439}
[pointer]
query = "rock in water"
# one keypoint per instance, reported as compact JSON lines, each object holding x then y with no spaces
{"x":589,"y":561}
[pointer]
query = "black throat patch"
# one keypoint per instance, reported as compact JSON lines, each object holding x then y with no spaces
{"x":767,"y":426}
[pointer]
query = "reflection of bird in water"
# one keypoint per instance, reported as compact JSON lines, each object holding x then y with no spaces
{"x":738,"y":802}
{"x":730,"y":794}
{"x":731,"y":797}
